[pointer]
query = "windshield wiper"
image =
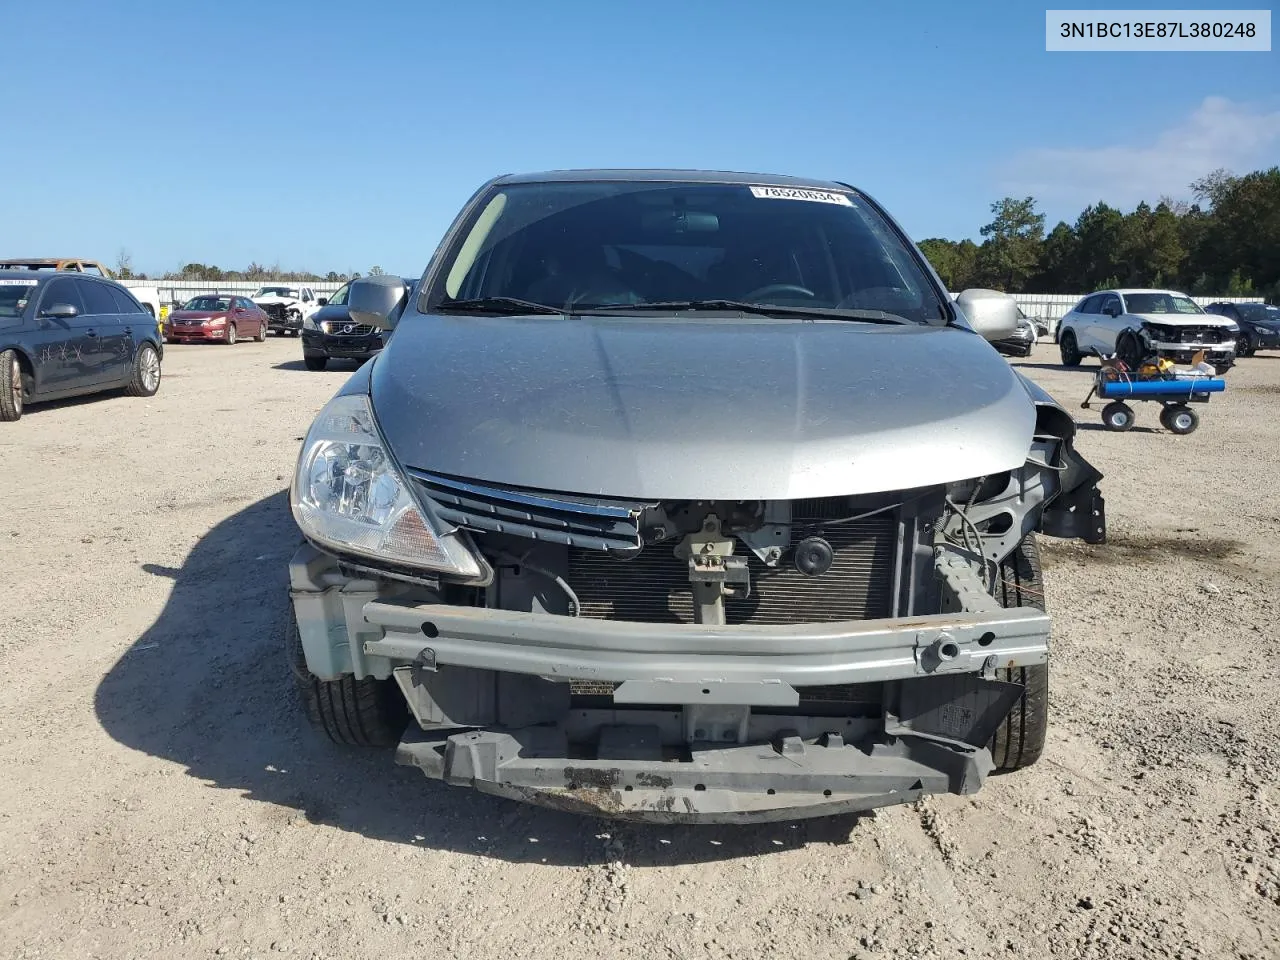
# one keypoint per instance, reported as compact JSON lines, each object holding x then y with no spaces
{"x":743,"y":306}
{"x":506,"y":306}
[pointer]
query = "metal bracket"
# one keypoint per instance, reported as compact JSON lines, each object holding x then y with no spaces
{"x":423,"y":663}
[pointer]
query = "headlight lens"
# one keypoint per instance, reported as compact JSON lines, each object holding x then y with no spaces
{"x":217,"y":321}
{"x":347,"y":493}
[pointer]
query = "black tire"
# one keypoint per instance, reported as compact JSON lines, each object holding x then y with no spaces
{"x":231,"y":335}
{"x":359,"y":713}
{"x":1019,"y":741}
{"x":261,"y":336}
{"x":145,"y":380}
{"x":12,"y":397}
{"x":1069,"y":349}
{"x":1118,"y":416}
{"x":1180,"y":419}
{"x":1244,"y":347}
{"x":315,"y":363}
{"x":1129,"y":350}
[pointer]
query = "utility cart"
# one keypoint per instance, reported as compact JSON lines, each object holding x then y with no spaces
{"x":1174,"y":391}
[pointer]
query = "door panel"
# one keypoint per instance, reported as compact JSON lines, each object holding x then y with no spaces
{"x":113,"y":348}
{"x":59,"y":345}
{"x":1108,"y":327}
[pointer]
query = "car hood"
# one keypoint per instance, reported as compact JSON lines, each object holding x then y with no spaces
{"x":336,"y":312}
{"x":275,"y":298}
{"x":710,"y":409}
{"x":196,"y":314}
{"x":1184,"y":319}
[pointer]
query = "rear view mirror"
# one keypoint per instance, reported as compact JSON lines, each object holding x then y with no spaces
{"x":60,"y":311}
{"x":1111,"y":310}
{"x":992,"y":314}
{"x":374,"y":300}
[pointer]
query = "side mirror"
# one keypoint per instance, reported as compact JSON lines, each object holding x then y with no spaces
{"x":992,"y":314}
{"x":1111,"y":310}
{"x":322,"y":301}
{"x":61,"y":311}
{"x":374,"y":300}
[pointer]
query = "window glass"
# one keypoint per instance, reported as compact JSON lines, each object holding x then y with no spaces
{"x":1160,"y":303}
{"x":62,"y":290}
{"x":125,"y":303}
{"x":584,"y":244}
{"x":340,"y":295}
{"x":97,"y":299}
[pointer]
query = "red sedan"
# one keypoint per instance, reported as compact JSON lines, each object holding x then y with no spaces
{"x":216,"y":317}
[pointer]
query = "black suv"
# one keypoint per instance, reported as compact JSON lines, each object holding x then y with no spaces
{"x":1259,"y":325}
{"x":330,"y":333}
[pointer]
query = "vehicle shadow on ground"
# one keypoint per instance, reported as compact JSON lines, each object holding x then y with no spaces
{"x":345,"y":366}
{"x":207,"y":687}
{"x":1089,"y":425}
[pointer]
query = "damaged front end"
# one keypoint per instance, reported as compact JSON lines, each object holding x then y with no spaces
{"x":707,"y":661}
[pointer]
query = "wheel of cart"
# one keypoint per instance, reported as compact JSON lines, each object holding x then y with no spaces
{"x":1179,"y":418}
{"x":1118,"y":416}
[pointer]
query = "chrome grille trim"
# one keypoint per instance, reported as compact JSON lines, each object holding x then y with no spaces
{"x":585,"y":522}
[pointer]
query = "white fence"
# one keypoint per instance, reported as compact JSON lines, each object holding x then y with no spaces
{"x":1049,"y":307}
{"x":180,"y":291}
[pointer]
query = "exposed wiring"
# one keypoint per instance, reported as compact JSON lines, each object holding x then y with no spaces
{"x":575,"y":605}
{"x":965,"y":526}
{"x":815,"y":524}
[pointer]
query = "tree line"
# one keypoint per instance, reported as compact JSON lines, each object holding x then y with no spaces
{"x":253,"y":273}
{"x":1225,"y":243}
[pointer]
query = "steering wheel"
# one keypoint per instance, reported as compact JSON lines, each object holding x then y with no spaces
{"x":775,"y":288}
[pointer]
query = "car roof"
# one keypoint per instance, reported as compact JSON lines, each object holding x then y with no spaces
{"x":657,"y":175}
{"x":1125,"y":291}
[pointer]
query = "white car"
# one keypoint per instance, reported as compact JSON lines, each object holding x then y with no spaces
{"x":1133,"y":324}
{"x":286,"y":306}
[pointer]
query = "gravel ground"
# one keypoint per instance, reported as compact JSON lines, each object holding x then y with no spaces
{"x":163,"y":797}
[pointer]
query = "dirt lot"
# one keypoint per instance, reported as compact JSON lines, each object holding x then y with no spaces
{"x":162,"y":796}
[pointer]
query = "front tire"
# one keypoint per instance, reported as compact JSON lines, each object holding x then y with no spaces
{"x":146,"y":372}
{"x":315,"y":363}
{"x":1069,"y":349}
{"x":231,"y":335}
{"x":359,"y":713}
{"x":262,"y":333}
{"x":11,"y":387}
{"x":1019,"y":741}
{"x":1244,"y":346}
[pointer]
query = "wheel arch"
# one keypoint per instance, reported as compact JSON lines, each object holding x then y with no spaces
{"x":25,"y":361}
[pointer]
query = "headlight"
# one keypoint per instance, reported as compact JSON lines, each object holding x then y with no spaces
{"x":348,"y":494}
{"x":310,"y":323}
{"x":217,"y":321}
{"x":1232,"y":327}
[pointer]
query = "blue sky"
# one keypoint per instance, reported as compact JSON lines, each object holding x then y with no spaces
{"x":334,"y":136}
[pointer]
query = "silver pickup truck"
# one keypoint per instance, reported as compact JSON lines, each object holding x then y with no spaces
{"x":686,"y":497}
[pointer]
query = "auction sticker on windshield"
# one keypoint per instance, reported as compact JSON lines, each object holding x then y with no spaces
{"x":798,"y":193}
{"x":17,"y":283}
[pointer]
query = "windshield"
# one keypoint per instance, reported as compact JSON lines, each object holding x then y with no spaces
{"x":579,"y":245}
{"x":1159,"y":303}
{"x":340,"y":296}
{"x":1258,"y":311}
{"x":276,"y":292}
{"x":14,"y":295}
{"x":208,"y":304}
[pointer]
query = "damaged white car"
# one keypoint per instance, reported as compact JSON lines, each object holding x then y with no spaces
{"x":286,"y":307}
{"x":685,"y":497}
